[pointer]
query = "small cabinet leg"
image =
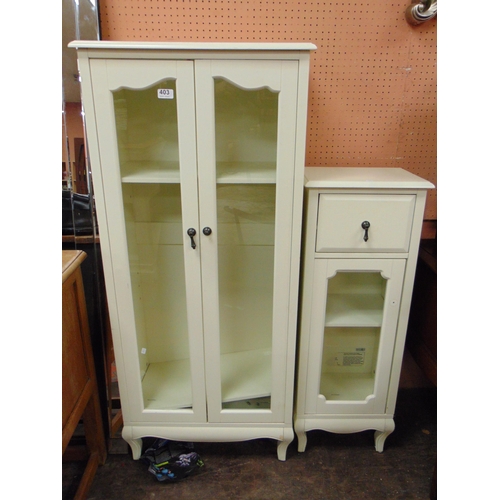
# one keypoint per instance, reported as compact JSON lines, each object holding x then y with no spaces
{"x":300,"y":431}
{"x":302,"y":437}
{"x":380,"y":438}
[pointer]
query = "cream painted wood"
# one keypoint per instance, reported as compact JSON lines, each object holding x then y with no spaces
{"x":202,"y":182}
{"x":363,"y":178}
{"x":104,"y":72}
{"x":359,"y":314}
{"x":222,"y":49}
{"x":366,"y":329}
{"x":279,"y":77}
{"x":340,"y":219}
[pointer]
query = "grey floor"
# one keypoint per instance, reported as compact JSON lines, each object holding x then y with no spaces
{"x":334,"y":466}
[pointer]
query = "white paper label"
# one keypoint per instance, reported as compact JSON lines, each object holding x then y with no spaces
{"x":143,"y":350}
{"x":165,"y":94}
{"x":350,"y":358}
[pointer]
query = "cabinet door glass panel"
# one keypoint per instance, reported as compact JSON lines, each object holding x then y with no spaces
{"x":246,"y":138}
{"x":147,"y":133}
{"x":353,"y":319}
{"x":146,"y":126}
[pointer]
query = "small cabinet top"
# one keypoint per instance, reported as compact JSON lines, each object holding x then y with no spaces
{"x":363,"y":178}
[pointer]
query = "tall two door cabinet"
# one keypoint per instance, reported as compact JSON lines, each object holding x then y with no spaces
{"x":361,"y":240}
{"x":197,"y":153}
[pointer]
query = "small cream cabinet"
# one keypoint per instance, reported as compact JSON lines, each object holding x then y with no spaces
{"x":197,"y":152}
{"x":361,"y":237}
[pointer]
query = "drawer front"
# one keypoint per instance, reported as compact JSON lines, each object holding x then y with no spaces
{"x":340,"y":219}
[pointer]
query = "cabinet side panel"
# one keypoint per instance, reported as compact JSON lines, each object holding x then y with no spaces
{"x":296,"y":242}
{"x":404,"y":313}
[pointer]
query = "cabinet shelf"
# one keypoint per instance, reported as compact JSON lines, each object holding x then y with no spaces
{"x":246,"y":173}
{"x":166,"y":385}
{"x":166,"y":172}
{"x":354,"y":310}
{"x":346,"y":387}
{"x":246,"y":375}
{"x":227,"y":172}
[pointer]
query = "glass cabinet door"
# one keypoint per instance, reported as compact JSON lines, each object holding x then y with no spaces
{"x":353,"y":329}
{"x":149,"y":172}
{"x":246,"y":180}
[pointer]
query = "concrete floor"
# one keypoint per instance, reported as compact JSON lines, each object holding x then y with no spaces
{"x":333,"y":466}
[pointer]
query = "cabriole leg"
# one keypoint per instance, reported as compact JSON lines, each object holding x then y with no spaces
{"x":380,"y":436}
{"x":301,"y":435}
{"x":135,"y":444}
{"x":283,"y":445}
{"x":380,"y":439}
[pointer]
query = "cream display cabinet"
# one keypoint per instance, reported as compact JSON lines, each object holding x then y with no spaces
{"x":197,"y":153}
{"x":361,"y":239}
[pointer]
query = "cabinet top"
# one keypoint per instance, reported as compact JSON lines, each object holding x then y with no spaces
{"x":71,"y":259}
{"x":363,"y":177}
{"x":193,"y":46}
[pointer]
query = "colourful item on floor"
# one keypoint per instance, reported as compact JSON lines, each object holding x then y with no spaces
{"x":171,"y":460}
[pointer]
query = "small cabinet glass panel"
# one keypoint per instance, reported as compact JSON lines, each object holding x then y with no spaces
{"x":246,"y":151}
{"x":353,"y":319}
{"x":349,"y":363}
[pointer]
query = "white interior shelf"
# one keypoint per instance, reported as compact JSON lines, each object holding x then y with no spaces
{"x":246,"y":375}
{"x":246,"y":173}
{"x":227,"y":172}
{"x":151,"y":172}
{"x":354,"y":310}
{"x":167,"y":385}
{"x":346,"y":387}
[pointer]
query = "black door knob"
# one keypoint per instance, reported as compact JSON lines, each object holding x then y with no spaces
{"x":191,"y":233}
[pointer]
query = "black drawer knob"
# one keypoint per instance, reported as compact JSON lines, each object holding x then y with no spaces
{"x":365,"y":225}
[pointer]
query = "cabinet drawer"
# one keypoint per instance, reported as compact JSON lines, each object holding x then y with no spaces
{"x":340,"y":218}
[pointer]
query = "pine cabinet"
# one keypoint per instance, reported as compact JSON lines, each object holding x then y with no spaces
{"x":361,"y":238}
{"x":197,"y":153}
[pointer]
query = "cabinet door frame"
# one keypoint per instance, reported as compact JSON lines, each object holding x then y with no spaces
{"x":109,"y":75}
{"x":391,"y":269}
{"x":280,"y":76}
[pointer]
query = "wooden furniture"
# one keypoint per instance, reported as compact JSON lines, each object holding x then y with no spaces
{"x":98,"y":318}
{"x":198,"y":156}
{"x":362,"y":234}
{"x":80,"y":398}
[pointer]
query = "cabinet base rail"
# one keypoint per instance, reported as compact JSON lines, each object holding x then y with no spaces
{"x":347,"y":424}
{"x":133,"y":435}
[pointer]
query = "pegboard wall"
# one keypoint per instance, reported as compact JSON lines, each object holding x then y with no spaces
{"x":372,"y":90}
